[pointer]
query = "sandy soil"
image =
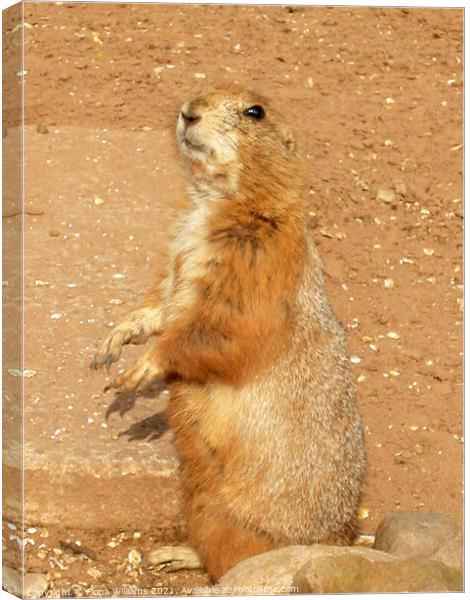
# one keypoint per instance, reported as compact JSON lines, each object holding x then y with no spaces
{"x":376,"y":98}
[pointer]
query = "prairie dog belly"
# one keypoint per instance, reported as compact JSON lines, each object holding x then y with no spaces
{"x":219,"y":416}
{"x":290,"y":444}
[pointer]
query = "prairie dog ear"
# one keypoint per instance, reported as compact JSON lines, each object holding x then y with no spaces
{"x":288,"y":139}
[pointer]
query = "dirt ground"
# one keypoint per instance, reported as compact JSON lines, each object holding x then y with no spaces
{"x":376,"y":98}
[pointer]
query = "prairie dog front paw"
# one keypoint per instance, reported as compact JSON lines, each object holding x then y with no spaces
{"x":140,"y":375}
{"x":134,"y":329}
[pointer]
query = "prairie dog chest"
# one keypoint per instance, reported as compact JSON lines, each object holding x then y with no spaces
{"x":188,"y":262}
{"x":190,"y":248}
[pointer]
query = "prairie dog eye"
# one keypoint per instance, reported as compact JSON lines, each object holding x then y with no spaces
{"x":255,"y":112}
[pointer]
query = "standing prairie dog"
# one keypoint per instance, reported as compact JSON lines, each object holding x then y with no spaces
{"x":262,"y":398}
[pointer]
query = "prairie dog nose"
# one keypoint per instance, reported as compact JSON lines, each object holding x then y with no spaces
{"x":189,"y":119}
{"x":192,"y":111}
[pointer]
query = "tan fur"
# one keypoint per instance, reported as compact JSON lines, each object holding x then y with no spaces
{"x":262,"y":399}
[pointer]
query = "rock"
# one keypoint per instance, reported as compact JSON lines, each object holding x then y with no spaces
{"x":385,"y":196}
{"x":402,"y":457}
{"x":11,"y":581}
{"x":421,"y":535}
{"x":419,"y":449}
{"x":355,"y":573}
{"x":35,"y":585}
{"x":336,"y":569}
{"x":451,"y":552}
{"x":272,"y":570}
{"x":400,"y":188}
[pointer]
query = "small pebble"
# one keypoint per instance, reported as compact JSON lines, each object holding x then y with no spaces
{"x":385,"y":196}
{"x":402,"y":457}
{"x":355,"y":360}
{"x":364,"y":540}
{"x":11,"y":581}
{"x":94,"y":572}
{"x":363,"y":513}
{"x":35,"y":585}
{"x":134,"y":557}
{"x":41,"y":128}
{"x":400,"y":188}
{"x":54,"y":233}
{"x":398,"y":459}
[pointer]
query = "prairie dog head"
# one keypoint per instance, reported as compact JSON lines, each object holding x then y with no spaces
{"x":229,"y":137}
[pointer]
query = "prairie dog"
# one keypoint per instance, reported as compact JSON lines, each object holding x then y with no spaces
{"x":262,"y":398}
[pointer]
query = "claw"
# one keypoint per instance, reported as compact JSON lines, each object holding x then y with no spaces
{"x":140,"y":375}
{"x":135,"y":329}
{"x":120,"y":382}
{"x":114,"y":384}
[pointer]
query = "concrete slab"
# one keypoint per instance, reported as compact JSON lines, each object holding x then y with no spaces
{"x":99,"y":205}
